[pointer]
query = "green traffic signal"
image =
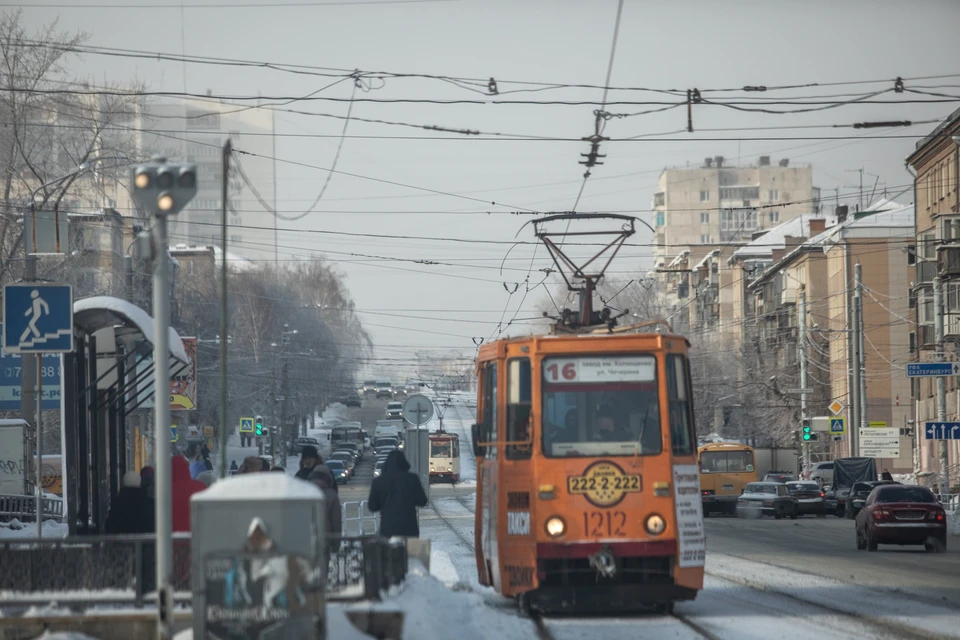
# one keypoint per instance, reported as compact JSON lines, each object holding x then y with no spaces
{"x":258,"y":427}
{"x":807,"y":435}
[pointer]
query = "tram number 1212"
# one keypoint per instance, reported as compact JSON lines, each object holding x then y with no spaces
{"x":604,"y":523}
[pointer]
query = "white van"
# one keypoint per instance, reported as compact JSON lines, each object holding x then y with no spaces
{"x":822,"y":472}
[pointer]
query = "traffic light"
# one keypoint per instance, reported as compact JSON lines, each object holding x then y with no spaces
{"x":807,"y":432}
{"x":258,"y":426}
{"x":161,"y":188}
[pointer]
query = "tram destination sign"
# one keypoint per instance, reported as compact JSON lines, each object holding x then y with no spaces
{"x":599,"y":369}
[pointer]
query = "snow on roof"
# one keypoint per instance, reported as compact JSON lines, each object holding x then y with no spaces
{"x":703,"y":262}
{"x":679,"y":258}
{"x":898,"y":215}
{"x":259,"y":486}
{"x":775,"y":238}
{"x":100,"y":312}
{"x":237,"y":262}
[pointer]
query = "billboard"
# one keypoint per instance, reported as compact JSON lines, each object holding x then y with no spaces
{"x":183,"y":386}
{"x":11,"y":374}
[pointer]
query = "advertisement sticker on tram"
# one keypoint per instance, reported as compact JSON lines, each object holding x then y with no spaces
{"x":690,"y":534}
{"x":604,"y":484}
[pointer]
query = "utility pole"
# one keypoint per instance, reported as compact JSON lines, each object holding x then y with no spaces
{"x":941,"y":381}
{"x":855,"y":369}
{"x":858,"y":283}
{"x":803,"y":371}
{"x":860,"y":171}
{"x":28,"y":362}
{"x":224,"y":335}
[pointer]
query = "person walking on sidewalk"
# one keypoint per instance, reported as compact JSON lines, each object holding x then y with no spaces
{"x":309,"y":458}
{"x":396,"y":494}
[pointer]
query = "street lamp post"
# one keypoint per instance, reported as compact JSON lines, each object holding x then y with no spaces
{"x":163,"y":190}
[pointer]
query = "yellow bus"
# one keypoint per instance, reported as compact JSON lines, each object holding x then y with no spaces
{"x":725,"y":469}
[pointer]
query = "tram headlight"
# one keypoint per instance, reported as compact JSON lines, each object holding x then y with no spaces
{"x":555,"y":526}
{"x":655,"y":525}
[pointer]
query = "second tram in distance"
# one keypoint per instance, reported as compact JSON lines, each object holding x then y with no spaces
{"x":588,"y":494}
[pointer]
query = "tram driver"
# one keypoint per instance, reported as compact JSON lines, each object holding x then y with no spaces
{"x":607,"y":429}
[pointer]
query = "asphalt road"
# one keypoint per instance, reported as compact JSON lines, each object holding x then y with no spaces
{"x":825,"y":547}
{"x":359,"y":486}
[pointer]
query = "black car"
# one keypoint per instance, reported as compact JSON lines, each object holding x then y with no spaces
{"x":353,"y":400}
{"x":809,"y":497}
{"x":300,"y":443}
{"x":767,"y":499}
{"x":859,"y":493}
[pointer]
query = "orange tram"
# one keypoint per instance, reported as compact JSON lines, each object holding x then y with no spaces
{"x":588,"y":494}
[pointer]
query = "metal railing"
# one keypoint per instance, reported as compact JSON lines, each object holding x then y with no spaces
{"x":358,"y":520}
{"x":84,"y":570}
{"x":24,"y":507}
{"x":950,"y":501}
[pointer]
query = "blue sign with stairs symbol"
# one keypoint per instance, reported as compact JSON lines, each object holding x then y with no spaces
{"x":37,"y":318}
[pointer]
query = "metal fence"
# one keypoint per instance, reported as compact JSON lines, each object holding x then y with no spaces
{"x":24,"y":507}
{"x":950,"y":501}
{"x":358,"y":520}
{"x":80,"y":571}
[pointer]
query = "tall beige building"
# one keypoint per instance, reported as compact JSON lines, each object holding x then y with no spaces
{"x":720,"y":204}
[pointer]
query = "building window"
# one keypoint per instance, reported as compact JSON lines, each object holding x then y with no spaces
{"x":704,"y":196}
{"x":774,"y":195}
{"x":704,"y":238}
{"x":704,"y":217}
{"x":775,"y":217}
{"x":236,"y":238}
{"x":660,"y":219}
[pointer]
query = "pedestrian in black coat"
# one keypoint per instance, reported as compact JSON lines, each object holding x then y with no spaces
{"x":132,"y":510}
{"x":396,"y":494}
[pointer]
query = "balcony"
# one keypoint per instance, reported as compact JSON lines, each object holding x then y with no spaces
{"x":926,"y":272}
{"x":659,"y":199}
{"x":948,"y":261}
{"x":924,"y":337}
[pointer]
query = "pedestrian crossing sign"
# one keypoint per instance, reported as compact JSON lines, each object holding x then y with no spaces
{"x":246,"y":425}
{"x":838,"y":426}
{"x":174,"y":436}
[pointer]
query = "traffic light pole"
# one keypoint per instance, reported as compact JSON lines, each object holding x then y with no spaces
{"x":802,"y":356}
{"x":161,"y":373}
{"x":941,"y":398}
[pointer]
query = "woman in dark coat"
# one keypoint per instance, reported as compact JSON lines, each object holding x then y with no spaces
{"x":396,"y":494}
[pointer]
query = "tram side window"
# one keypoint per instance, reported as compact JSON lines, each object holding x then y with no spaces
{"x":490,"y":407}
{"x":681,"y":422}
{"x":519,"y":397}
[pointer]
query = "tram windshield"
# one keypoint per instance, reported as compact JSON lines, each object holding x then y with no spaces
{"x":601,"y":406}
{"x":440,"y":449}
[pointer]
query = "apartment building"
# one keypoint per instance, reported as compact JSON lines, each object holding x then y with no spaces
{"x":717,"y":203}
{"x":195,"y":131}
{"x":935,"y":163}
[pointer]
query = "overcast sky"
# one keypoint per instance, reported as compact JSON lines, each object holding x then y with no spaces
{"x":663,"y":45}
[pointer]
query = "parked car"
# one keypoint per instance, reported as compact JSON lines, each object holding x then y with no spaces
{"x":394,"y":411}
{"x":339,"y":471}
{"x":779,"y":476}
{"x":346,"y":458}
{"x":767,"y":499}
{"x":859,"y":494}
{"x":353,"y":400}
{"x":304,"y":442}
{"x":822,"y":472}
{"x":809,"y":497}
{"x":901,"y":514}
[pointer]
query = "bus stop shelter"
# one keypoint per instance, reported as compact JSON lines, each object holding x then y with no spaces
{"x":108,"y":376}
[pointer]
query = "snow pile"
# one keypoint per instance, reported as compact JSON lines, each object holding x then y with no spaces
{"x":19,"y":530}
{"x":259,"y":486}
{"x":953,"y":522}
{"x":334,"y":414}
{"x":433,"y":611}
{"x":64,"y":635}
{"x":50,"y":610}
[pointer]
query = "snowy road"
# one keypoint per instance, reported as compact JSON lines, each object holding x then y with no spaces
{"x":764,"y":579}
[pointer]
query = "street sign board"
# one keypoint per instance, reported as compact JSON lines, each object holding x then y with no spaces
{"x":11,"y":379}
{"x":877,"y":425}
{"x":37,"y":318}
{"x":246,"y":425}
{"x":418,"y":409}
{"x":838,"y":426}
{"x":942,"y":430}
{"x":932,"y":369}
{"x":800,"y":391}
{"x":835,"y":407}
{"x":880,"y":442}
{"x":174,"y":436}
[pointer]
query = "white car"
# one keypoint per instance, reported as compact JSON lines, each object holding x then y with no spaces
{"x":822,"y":473}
